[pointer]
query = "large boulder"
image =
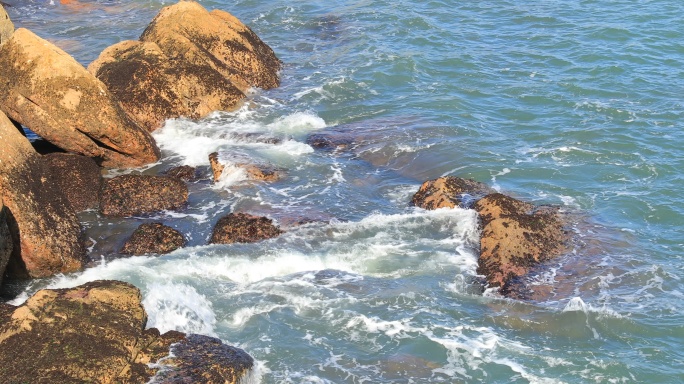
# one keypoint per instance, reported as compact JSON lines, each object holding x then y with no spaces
{"x":515,"y":237}
{"x":187,"y":32}
{"x":6,"y":26}
{"x":153,"y":238}
{"x":79,"y":178}
{"x":153,"y":87}
{"x":47,"y":91}
{"x":5,"y":241}
{"x":243,"y":228}
{"x":95,"y":333}
{"x":449,"y":192}
{"x":131,"y":195}
{"x":45,"y":230}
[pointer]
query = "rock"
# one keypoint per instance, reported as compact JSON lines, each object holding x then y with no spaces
{"x":187,"y":32}
{"x":95,"y":333}
{"x":5,"y":241}
{"x":184,"y":172}
{"x":253,"y":170}
{"x":243,"y":228}
{"x":6,"y":26}
{"x":45,"y":230}
{"x":47,"y":91}
{"x":515,"y":237}
{"x":130,"y":195}
{"x":204,"y":359}
{"x":79,"y":178}
{"x":449,"y":192}
{"x":331,"y":140}
{"x":153,"y":238}
{"x":153,"y":87}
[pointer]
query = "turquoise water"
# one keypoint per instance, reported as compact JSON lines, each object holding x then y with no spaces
{"x":574,"y":103}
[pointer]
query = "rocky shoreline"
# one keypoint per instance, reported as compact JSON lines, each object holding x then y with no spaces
{"x":188,"y":62}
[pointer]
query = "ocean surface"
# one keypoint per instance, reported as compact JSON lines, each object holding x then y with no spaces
{"x":576,"y":103}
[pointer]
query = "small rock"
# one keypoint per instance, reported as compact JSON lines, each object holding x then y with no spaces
{"x":153,"y":238}
{"x":79,"y":178}
{"x":243,"y":228}
{"x":330,"y":140}
{"x":449,"y":192}
{"x":253,"y":170}
{"x":130,"y":195}
{"x":183,"y":172}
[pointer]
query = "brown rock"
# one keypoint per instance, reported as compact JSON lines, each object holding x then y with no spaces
{"x":186,"y":31}
{"x":130,"y":195}
{"x":153,"y":88}
{"x":253,"y":170}
{"x":243,"y":228}
{"x":449,"y":192}
{"x":6,"y":26}
{"x":79,"y":178}
{"x":5,"y":241}
{"x":515,"y":237}
{"x":49,"y":92}
{"x":153,"y":238}
{"x":45,"y":230}
{"x":184,"y":172}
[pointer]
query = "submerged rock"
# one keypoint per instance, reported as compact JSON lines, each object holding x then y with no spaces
{"x":243,"y":228}
{"x":6,"y":26}
{"x":449,"y":192}
{"x":153,"y":238}
{"x":188,"y":32}
{"x":52,"y":94}
{"x":5,"y":241}
{"x":95,"y":333}
{"x":45,"y":230}
{"x":253,"y":170}
{"x":79,"y":178}
{"x":153,"y":87}
{"x":130,"y":195}
{"x":515,"y":237}
{"x":183,"y":172}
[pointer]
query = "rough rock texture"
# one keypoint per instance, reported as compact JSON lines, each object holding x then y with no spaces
{"x":95,"y":333}
{"x":153,"y":238}
{"x":253,"y":170}
{"x":449,"y":192}
{"x":6,"y":26}
{"x":47,"y":91}
{"x":130,"y":195}
{"x":45,"y":230}
{"x":79,"y":178}
{"x":204,"y":359}
{"x":331,"y":140}
{"x":186,"y":31}
{"x":5,"y":241}
{"x":243,"y":228}
{"x":152,"y":87}
{"x":515,"y":237}
{"x":183,"y":172}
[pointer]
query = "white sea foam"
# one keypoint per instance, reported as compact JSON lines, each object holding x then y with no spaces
{"x":179,"y":307}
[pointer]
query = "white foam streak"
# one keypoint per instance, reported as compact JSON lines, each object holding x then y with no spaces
{"x":179,"y":307}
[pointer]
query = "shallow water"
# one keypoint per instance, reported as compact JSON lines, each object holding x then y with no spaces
{"x":574,"y":103}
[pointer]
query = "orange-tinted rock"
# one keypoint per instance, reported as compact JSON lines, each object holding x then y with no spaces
{"x":130,"y":195}
{"x":253,"y":170}
{"x":153,"y":238}
{"x":186,"y":31}
{"x":6,"y":26}
{"x":449,"y":192}
{"x":515,"y":237}
{"x":153,"y":87}
{"x":79,"y":178}
{"x":45,"y":230}
{"x":49,"y":92}
{"x":243,"y":228}
{"x":183,"y":172}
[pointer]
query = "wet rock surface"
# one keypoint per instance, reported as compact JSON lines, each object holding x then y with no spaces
{"x":243,"y":228}
{"x":254,"y":170}
{"x":153,"y":238}
{"x":183,"y":172}
{"x":516,"y":236}
{"x":79,"y":178}
{"x":130,"y":195}
{"x":5,"y":241}
{"x":52,"y":94}
{"x":44,"y":228}
{"x":6,"y":26}
{"x":449,"y":192}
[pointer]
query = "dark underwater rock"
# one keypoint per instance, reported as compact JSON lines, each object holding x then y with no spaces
{"x":183,"y":172}
{"x":153,"y":238}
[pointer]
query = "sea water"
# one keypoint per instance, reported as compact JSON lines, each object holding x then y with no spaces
{"x":574,"y":103}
